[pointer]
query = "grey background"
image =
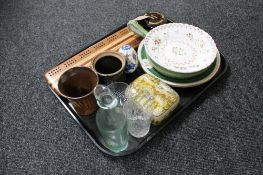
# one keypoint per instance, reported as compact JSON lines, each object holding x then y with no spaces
{"x":220,"y":134}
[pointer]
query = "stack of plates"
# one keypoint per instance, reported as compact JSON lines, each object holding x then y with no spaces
{"x":179,"y":54}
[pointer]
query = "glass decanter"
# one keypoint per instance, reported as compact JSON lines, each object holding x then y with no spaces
{"x":110,"y":119}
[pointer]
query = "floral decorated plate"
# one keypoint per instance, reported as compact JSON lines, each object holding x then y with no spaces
{"x":181,"y":83}
{"x":180,"y":50}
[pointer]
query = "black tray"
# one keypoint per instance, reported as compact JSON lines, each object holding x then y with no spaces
{"x":187,"y":97}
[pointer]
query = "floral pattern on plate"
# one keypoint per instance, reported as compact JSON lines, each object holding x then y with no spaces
{"x":192,"y":82}
{"x":180,"y":47}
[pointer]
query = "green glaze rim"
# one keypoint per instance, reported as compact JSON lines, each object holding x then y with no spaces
{"x":202,"y":78}
{"x":172,"y":74}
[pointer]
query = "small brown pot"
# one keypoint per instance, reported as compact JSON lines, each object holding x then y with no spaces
{"x":110,"y":67}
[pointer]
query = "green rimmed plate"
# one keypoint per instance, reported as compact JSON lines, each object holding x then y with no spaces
{"x":180,"y":48}
{"x":174,"y":82}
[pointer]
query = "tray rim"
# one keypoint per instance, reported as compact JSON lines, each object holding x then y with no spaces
{"x":220,"y":73}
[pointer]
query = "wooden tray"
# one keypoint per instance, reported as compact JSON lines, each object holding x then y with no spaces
{"x":113,"y":41}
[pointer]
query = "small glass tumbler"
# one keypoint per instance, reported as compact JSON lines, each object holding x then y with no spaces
{"x":139,"y":121}
{"x":118,"y":88}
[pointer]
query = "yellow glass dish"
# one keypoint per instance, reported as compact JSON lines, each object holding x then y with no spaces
{"x":153,"y":96}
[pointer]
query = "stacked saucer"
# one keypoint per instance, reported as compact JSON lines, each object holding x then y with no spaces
{"x":179,"y":54}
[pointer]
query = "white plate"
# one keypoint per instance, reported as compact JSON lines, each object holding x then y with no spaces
{"x":192,"y":82}
{"x":180,"y":48}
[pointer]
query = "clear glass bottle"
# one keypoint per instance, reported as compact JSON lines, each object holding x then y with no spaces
{"x":111,"y":120}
